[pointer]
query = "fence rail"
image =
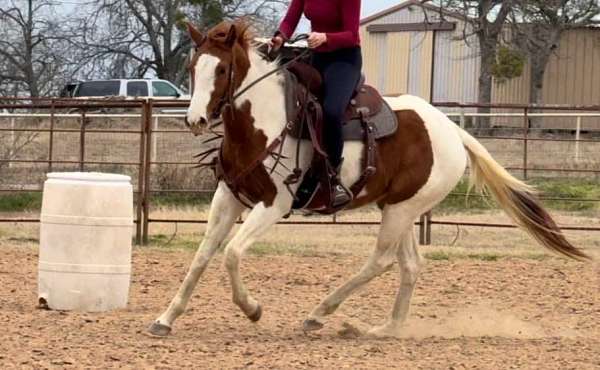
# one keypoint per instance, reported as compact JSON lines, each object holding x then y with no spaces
{"x":149,"y":113}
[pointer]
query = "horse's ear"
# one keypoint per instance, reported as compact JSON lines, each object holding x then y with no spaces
{"x":231,"y":36}
{"x":195,"y":35}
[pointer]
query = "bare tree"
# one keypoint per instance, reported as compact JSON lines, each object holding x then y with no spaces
{"x":537,"y":27}
{"x":32,"y":48}
{"x":485,"y":19}
{"x":134,"y":37}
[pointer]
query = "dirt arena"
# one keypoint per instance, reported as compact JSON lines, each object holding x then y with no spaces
{"x":485,"y":308}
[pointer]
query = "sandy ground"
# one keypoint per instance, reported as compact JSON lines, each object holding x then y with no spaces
{"x":520,"y":309}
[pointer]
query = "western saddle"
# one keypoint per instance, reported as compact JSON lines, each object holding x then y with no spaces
{"x":368,"y":118}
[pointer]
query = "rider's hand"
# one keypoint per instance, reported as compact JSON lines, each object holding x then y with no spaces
{"x":316,"y":39}
{"x":276,"y":42}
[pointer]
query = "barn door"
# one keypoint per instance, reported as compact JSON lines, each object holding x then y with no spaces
{"x":421,"y":62}
{"x":395,"y":79}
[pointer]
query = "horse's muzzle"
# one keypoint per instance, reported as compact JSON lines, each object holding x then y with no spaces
{"x":197,"y":127}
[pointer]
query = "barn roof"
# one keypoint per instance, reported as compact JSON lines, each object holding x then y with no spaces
{"x":406,"y":4}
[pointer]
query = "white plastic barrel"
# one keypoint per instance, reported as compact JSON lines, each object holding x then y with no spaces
{"x":85,"y":241}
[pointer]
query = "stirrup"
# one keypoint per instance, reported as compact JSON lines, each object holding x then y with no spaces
{"x":340,"y":196}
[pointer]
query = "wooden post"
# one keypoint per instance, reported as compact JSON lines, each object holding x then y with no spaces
{"x":155,"y":140}
{"x":422,"y":225}
{"x":148,"y":106}
{"x":428,"y":228}
{"x":141,"y":177}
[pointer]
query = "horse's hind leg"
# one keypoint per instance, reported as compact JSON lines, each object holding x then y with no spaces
{"x":393,"y":225}
{"x":410,"y":266}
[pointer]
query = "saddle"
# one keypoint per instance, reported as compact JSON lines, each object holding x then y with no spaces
{"x":368,"y":118}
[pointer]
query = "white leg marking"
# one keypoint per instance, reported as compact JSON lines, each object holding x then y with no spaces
{"x":383,"y":257}
{"x":224,"y":211}
{"x":258,"y":221}
{"x":410,"y":266}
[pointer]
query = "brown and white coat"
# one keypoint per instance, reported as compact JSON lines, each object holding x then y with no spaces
{"x":416,"y":169}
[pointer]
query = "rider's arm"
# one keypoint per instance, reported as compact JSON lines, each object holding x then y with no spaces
{"x":350,"y":21}
{"x":290,"y":22}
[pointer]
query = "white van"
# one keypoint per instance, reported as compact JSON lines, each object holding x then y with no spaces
{"x":159,"y":89}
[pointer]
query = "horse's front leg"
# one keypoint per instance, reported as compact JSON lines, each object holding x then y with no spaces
{"x":224,"y":211}
{"x":259,"y":220}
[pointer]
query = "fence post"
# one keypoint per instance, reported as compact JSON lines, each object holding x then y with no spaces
{"x":13,"y":141}
{"x":148,"y":106}
{"x":51,"y":137}
{"x":141,"y":169}
{"x":82,"y":142}
{"x":577,"y":138}
{"x":423,"y":229}
{"x":462,"y":118}
{"x":525,"y":140}
{"x":428,"y":229}
{"x":155,"y":140}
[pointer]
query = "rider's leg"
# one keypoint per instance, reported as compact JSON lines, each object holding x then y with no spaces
{"x":341,"y":73}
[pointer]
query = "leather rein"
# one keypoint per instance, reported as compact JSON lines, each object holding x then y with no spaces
{"x":226,"y":103}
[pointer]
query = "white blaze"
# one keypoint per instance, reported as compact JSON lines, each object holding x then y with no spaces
{"x":204,"y":85}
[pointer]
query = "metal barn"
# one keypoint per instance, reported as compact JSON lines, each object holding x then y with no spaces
{"x":410,"y":48}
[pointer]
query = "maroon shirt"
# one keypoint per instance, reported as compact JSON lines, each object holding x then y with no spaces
{"x":339,"y":19}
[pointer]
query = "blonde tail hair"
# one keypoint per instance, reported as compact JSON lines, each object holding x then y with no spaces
{"x":517,"y":198}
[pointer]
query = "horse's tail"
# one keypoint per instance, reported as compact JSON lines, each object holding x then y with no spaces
{"x":517,"y":198}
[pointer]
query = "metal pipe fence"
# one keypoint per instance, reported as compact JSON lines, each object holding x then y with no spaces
{"x":148,"y":114}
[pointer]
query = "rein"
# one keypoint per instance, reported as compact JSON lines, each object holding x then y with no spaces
{"x":230,"y":97}
{"x":227,"y":101}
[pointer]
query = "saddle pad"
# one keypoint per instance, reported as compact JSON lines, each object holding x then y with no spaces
{"x":385,"y":124}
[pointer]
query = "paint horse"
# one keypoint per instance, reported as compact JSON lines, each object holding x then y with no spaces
{"x":416,"y":169}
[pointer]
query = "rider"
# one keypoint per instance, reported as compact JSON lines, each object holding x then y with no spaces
{"x":337,"y":56}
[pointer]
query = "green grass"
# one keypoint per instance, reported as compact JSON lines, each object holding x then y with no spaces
{"x":180,"y":199}
{"x":437,"y":256}
{"x":443,"y":255}
{"x":187,"y":241}
{"x":571,"y":189}
{"x":20,"y":202}
{"x":192,"y":241}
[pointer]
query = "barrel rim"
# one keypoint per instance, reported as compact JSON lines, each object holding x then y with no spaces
{"x":89,"y":176}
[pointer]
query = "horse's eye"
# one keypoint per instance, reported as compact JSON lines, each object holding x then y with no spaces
{"x":220,"y":70}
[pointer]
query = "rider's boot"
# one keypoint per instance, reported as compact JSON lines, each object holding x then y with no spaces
{"x":340,"y":196}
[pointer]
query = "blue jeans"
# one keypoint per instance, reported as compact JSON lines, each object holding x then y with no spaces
{"x":341,"y":71}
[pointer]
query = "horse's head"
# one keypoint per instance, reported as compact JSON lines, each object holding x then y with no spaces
{"x":218,"y":68}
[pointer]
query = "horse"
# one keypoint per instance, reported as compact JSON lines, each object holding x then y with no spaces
{"x":417,"y":168}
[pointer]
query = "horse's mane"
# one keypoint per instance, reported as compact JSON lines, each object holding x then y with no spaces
{"x":242,"y":28}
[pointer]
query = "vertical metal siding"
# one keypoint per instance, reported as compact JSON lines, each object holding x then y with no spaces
{"x":456,"y":67}
{"x":572,"y":77}
{"x":370,"y":56}
{"x":426,"y":66}
{"x":397,"y":65}
{"x":382,"y":57}
{"x":415,"y":66}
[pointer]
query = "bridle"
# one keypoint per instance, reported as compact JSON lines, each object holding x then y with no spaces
{"x":229,"y":97}
{"x":226,"y":102}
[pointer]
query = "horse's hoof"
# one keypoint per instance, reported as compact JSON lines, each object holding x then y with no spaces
{"x":312,"y":325}
{"x":256,"y":315}
{"x":159,"y":330}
